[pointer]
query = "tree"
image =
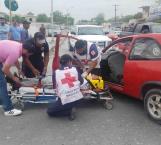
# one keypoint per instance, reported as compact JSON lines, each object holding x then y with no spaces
{"x":42,"y":18}
{"x":138,"y":15}
{"x":18,"y":18}
{"x":158,"y":1}
{"x":60,"y":18}
{"x":99,"y":19}
{"x":69,"y":19}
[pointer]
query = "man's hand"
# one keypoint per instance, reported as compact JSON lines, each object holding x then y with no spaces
{"x":35,"y":72}
{"x":17,"y":81}
{"x":20,"y":73}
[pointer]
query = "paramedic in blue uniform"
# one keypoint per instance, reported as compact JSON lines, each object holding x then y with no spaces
{"x":88,"y":56}
{"x":36,"y":64}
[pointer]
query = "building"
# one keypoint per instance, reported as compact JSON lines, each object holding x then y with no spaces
{"x":155,"y":13}
{"x":145,"y":11}
{"x":30,"y":17}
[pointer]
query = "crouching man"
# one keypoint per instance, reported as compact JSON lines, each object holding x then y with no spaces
{"x":87,"y":56}
{"x":10,"y":51}
{"x":67,"y":83}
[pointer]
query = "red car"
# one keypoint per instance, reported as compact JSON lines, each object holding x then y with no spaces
{"x":132,"y":66}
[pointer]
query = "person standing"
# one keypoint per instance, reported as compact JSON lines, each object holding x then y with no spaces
{"x":43,"y":29}
{"x":15,"y":32}
{"x":36,"y":64}
{"x":10,"y":52}
{"x":24,"y":31}
{"x":4,"y":29}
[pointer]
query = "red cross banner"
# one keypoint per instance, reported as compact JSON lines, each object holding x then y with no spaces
{"x":68,"y":85}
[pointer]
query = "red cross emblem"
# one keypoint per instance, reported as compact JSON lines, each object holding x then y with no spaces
{"x":68,"y":80}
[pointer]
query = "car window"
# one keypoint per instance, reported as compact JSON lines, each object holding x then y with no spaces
{"x":138,"y":28}
{"x":90,"y":31}
{"x":145,"y":48}
{"x":156,"y":28}
{"x":119,"y":46}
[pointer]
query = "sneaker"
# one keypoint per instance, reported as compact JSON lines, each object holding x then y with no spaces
{"x":72,"y":115}
{"x":13,"y":112}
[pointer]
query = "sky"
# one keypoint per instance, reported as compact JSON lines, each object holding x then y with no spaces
{"x":80,"y":9}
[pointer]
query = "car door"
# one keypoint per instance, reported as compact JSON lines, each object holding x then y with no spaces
{"x":142,"y":65}
{"x":116,"y":66}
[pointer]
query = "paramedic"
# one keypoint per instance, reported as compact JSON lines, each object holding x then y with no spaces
{"x":87,"y":54}
{"x":67,"y":82}
{"x":10,"y":52}
{"x":36,"y":64}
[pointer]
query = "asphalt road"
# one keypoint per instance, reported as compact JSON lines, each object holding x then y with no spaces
{"x":126,"y":124}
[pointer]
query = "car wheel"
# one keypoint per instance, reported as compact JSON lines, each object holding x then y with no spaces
{"x":152,"y":104}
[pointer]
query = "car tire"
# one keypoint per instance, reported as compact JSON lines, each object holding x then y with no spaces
{"x":152,"y":104}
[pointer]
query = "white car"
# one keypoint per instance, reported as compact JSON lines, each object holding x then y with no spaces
{"x":91,"y":33}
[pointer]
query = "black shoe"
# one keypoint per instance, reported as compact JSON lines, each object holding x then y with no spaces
{"x":72,"y":114}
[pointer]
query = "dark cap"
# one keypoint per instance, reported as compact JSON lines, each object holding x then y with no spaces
{"x":80,"y":44}
{"x":26,"y":22}
{"x":39,"y":37}
{"x":65,"y":59}
{"x":26,"y":45}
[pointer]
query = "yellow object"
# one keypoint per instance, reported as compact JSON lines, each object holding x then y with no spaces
{"x":96,"y":81}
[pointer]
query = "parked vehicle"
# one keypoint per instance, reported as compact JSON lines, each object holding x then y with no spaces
{"x":52,"y":31}
{"x":91,"y":33}
{"x":141,"y":28}
{"x":132,"y":66}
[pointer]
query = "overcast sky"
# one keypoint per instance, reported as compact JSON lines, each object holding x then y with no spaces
{"x":80,"y":9}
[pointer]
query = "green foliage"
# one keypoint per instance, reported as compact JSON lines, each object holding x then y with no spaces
{"x":18,"y":18}
{"x":99,"y":19}
{"x":158,"y":1}
{"x":42,"y":18}
{"x":60,"y":18}
{"x":138,"y":15}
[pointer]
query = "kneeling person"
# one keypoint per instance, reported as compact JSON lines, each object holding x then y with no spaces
{"x":67,"y":83}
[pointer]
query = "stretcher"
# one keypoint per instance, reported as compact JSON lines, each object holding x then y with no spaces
{"x":34,"y":90}
{"x":40,"y":91}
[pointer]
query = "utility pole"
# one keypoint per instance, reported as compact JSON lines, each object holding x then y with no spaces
{"x":52,"y":13}
{"x":10,"y":12}
{"x":115,"y":11}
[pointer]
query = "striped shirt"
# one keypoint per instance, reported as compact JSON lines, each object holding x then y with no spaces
{"x":4,"y":30}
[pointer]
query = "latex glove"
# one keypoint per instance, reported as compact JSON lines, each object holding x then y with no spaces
{"x":20,"y":74}
{"x":84,"y":75}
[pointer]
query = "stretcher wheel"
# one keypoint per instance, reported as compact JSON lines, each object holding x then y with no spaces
{"x":19,"y":105}
{"x":108,"y":105}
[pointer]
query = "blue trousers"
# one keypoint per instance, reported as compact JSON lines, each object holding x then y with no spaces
{"x":56,"y":109}
{"x":5,"y":99}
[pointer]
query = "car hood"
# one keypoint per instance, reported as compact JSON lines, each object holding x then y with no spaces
{"x":94,"y":38}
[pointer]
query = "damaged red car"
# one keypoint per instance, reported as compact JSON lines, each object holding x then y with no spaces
{"x":132,"y":66}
